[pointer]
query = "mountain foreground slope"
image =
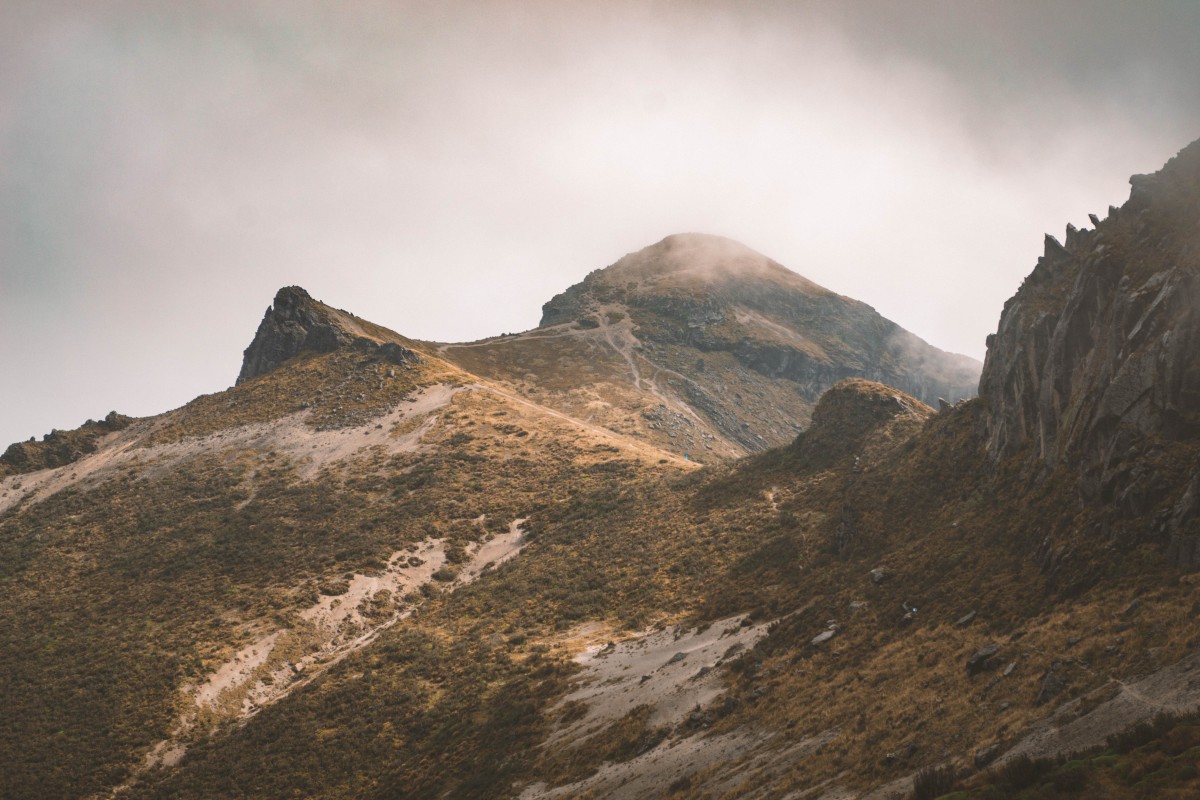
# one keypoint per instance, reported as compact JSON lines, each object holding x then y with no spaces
{"x":379,"y":567}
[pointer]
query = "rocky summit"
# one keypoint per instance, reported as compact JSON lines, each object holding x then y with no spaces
{"x":296,"y":323}
{"x":700,"y":534}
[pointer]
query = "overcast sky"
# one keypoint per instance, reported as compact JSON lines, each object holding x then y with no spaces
{"x":444,"y":168}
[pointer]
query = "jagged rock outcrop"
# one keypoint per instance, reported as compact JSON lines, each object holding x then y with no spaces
{"x":58,"y":448}
{"x":293,"y":323}
{"x":716,"y":295}
{"x":1096,"y":361}
{"x":296,"y":323}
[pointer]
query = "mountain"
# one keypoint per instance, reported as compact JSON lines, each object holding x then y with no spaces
{"x":704,"y":346}
{"x":1093,"y":368}
{"x":379,"y":567}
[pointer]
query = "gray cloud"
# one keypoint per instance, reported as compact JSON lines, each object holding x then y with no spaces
{"x":443,"y":168}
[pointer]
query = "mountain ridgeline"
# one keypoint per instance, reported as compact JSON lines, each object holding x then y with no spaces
{"x":1094,"y":367}
{"x":705,"y":532}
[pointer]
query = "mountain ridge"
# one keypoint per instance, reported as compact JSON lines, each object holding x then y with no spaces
{"x":707,"y":356}
{"x":497,"y":569}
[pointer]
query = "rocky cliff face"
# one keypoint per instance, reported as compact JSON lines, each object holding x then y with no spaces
{"x":296,"y":323}
{"x":718,"y":296}
{"x":1096,"y":362}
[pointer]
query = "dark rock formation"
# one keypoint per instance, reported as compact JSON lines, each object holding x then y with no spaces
{"x":296,"y":323}
{"x":986,"y":755}
{"x":1053,"y":684}
{"x":1096,"y":361}
{"x":59,"y":448}
{"x":715,"y":295}
{"x":395,"y":354}
{"x":984,"y":659}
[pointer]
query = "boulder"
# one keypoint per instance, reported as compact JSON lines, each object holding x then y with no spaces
{"x":984,"y":659}
{"x":986,"y":755}
{"x":824,"y":636}
{"x":395,"y":354}
{"x":1053,"y":685}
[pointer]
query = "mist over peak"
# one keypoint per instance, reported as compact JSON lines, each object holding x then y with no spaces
{"x":713,"y":295}
{"x":697,"y":260}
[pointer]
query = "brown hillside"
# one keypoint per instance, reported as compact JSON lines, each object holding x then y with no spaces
{"x":379,"y":568}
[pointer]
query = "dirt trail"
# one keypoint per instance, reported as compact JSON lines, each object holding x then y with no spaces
{"x":619,"y":338}
{"x":277,"y":663}
{"x":1173,"y":690}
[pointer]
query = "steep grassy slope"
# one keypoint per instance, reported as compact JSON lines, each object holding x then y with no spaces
{"x":136,"y":572}
{"x":793,"y":535}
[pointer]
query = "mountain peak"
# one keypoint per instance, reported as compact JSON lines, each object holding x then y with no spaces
{"x":695,"y":260}
{"x":291,"y":297}
{"x":296,"y":323}
{"x":722,"y":302}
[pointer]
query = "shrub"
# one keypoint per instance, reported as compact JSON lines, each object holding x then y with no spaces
{"x":446,"y":574}
{"x":1022,"y":772}
{"x":1141,"y":734}
{"x":1071,"y":778}
{"x":934,"y":781}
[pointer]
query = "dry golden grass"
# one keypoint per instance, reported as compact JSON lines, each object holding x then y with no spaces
{"x":184,"y":566}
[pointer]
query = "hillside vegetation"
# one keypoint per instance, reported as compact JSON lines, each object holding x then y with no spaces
{"x":631,"y":554}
